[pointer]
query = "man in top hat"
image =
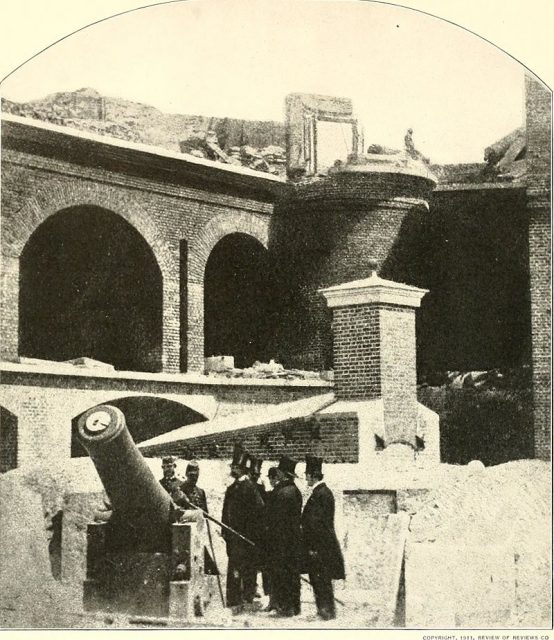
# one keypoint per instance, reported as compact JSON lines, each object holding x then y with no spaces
{"x":322,"y":552}
{"x":243,"y":512}
{"x":267,"y":579}
{"x":284,"y":545}
{"x":254,"y":472}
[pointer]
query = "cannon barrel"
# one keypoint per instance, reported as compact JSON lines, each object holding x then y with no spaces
{"x":141,"y":506}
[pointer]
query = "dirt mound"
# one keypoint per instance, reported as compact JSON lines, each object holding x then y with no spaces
{"x":504,"y":509}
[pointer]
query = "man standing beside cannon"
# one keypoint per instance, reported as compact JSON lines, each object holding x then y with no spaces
{"x":186,"y":494}
{"x":242,"y":512}
{"x":323,"y":557}
{"x":170,"y":480}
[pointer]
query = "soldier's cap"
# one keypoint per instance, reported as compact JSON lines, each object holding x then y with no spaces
{"x":193,"y":464}
{"x":287,"y":466}
{"x":168,"y":460}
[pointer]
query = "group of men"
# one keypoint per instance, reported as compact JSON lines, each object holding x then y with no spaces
{"x":269,"y":532}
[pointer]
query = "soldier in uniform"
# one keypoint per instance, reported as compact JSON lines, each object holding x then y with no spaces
{"x":170,"y":480}
{"x":322,"y":553}
{"x":192,"y":494}
{"x":284,"y":544}
{"x":243,"y":512}
{"x":187,"y":495}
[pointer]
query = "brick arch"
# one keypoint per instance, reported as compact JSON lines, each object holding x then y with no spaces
{"x":147,"y":415}
{"x":199,"y":251}
{"x":46,"y":203}
{"x":215,"y":230}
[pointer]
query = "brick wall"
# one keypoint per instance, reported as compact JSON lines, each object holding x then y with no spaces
{"x":327,"y":233}
{"x":45,"y":404}
{"x":374,"y":351}
{"x":539,"y":137}
{"x":37,"y":185}
{"x":335,"y":437}
{"x":357,"y":352}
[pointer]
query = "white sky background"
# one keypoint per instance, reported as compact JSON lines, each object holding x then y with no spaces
{"x":239,"y":58}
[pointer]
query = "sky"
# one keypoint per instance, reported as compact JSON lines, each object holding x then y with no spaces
{"x":240,"y":58}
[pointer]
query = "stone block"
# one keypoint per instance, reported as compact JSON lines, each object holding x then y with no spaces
{"x":459,"y":585}
{"x":78,"y":513}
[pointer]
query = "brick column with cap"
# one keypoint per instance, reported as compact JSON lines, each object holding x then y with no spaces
{"x":374,"y":349}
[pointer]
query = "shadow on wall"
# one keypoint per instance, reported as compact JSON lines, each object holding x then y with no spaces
{"x":8,"y":440}
{"x":471,"y":252}
{"x":491,"y":425}
{"x":239,"y":301}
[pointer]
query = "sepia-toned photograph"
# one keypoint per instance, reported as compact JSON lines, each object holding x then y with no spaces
{"x":275,"y":323}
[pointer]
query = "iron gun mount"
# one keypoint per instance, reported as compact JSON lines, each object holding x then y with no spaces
{"x":139,"y":562}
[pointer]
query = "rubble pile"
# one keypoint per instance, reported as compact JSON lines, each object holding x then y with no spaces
{"x":223,"y":366}
{"x":519,"y":378}
{"x":258,"y":145}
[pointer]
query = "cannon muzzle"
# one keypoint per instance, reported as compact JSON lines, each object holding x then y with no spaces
{"x":141,"y":506}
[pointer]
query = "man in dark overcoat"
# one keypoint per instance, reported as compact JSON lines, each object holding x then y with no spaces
{"x":255,"y":472}
{"x":284,"y":543}
{"x":243,"y":512}
{"x":267,"y":573}
{"x":322,"y":553}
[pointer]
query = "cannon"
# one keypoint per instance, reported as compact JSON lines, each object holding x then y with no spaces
{"x":139,"y":561}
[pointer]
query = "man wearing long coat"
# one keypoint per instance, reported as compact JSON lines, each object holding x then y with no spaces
{"x":243,"y":512}
{"x":322,"y":553}
{"x":284,"y":511}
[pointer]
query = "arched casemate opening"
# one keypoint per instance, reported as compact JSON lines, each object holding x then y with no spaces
{"x":239,"y":301}
{"x":145,"y":416}
{"x":90,"y":286}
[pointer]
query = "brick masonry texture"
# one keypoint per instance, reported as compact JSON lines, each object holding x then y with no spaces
{"x":374,"y":356}
{"x":357,"y":352}
{"x":469,"y":250}
{"x":44,"y":405}
{"x":324,"y":241}
{"x":335,"y":438}
{"x":35,"y":187}
{"x":539,"y":158}
{"x":484,"y":254}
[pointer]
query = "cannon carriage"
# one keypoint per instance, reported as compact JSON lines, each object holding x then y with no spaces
{"x":139,"y":561}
